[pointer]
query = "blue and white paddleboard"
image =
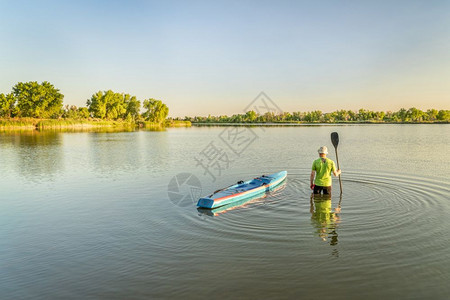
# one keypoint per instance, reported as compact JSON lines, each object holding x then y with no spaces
{"x":242,"y":190}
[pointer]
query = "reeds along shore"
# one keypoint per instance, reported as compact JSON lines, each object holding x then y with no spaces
{"x":41,"y":124}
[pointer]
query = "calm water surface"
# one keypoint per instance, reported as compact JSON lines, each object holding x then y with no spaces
{"x":113,"y":215}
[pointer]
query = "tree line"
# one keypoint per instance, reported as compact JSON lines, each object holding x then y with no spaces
{"x":43,"y":100}
{"x":412,"y":115}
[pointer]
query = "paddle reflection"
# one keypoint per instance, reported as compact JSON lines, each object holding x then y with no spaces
{"x":324,"y":219}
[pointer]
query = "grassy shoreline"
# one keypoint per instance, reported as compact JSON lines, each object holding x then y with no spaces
{"x":42,"y":124}
{"x":298,"y":123}
{"x":86,"y":124}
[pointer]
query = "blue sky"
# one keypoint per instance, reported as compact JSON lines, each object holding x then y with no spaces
{"x":214,"y":57}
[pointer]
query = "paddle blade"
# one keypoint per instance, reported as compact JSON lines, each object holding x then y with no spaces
{"x":335,"y":139}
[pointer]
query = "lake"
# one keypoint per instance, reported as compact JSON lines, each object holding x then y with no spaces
{"x":112,"y":214}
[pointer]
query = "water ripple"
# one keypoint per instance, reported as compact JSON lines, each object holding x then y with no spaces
{"x":376,"y":208}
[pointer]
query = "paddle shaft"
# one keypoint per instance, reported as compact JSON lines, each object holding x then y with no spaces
{"x":337,"y":160}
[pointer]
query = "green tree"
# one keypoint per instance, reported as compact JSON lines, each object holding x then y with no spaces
{"x":329,"y":117}
{"x":341,"y":115}
{"x":157,"y":111}
{"x":97,"y":105}
{"x":38,"y":100}
{"x":237,"y":118}
{"x":415,"y":115}
{"x":133,"y":106}
{"x":83,"y":112}
{"x":431,"y":114}
{"x":7,"y":105}
{"x":297,"y":116}
{"x":286,"y":116}
{"x":268,"y":117}
{"x":250,"y":116}
{"x":379,"y":115}
{"x":388,"y":116}
{"x":352,"y":115}
{"x":363,"y":115}
{"x":401,"y":115}
{"x":223,"y":119}
{"x":113,"y":106}
{"x":70,"y":112}
{"x":314,"y":116}
{"x":443,"y":115}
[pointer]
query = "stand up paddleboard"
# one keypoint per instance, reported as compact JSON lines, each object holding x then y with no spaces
{"x":242,"y":190}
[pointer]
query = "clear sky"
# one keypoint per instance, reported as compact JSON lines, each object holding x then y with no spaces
{"x":215,"y":57}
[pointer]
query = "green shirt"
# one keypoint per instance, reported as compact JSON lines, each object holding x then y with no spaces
{"x":323,"y":171}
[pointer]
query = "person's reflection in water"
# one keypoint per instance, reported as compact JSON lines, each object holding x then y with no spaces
{"x":324,"y":219}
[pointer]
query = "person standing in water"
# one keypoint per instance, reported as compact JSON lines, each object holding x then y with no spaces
{"x":321,"y":173}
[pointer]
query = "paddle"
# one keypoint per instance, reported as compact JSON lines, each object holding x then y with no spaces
{"x":335,"y":141}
